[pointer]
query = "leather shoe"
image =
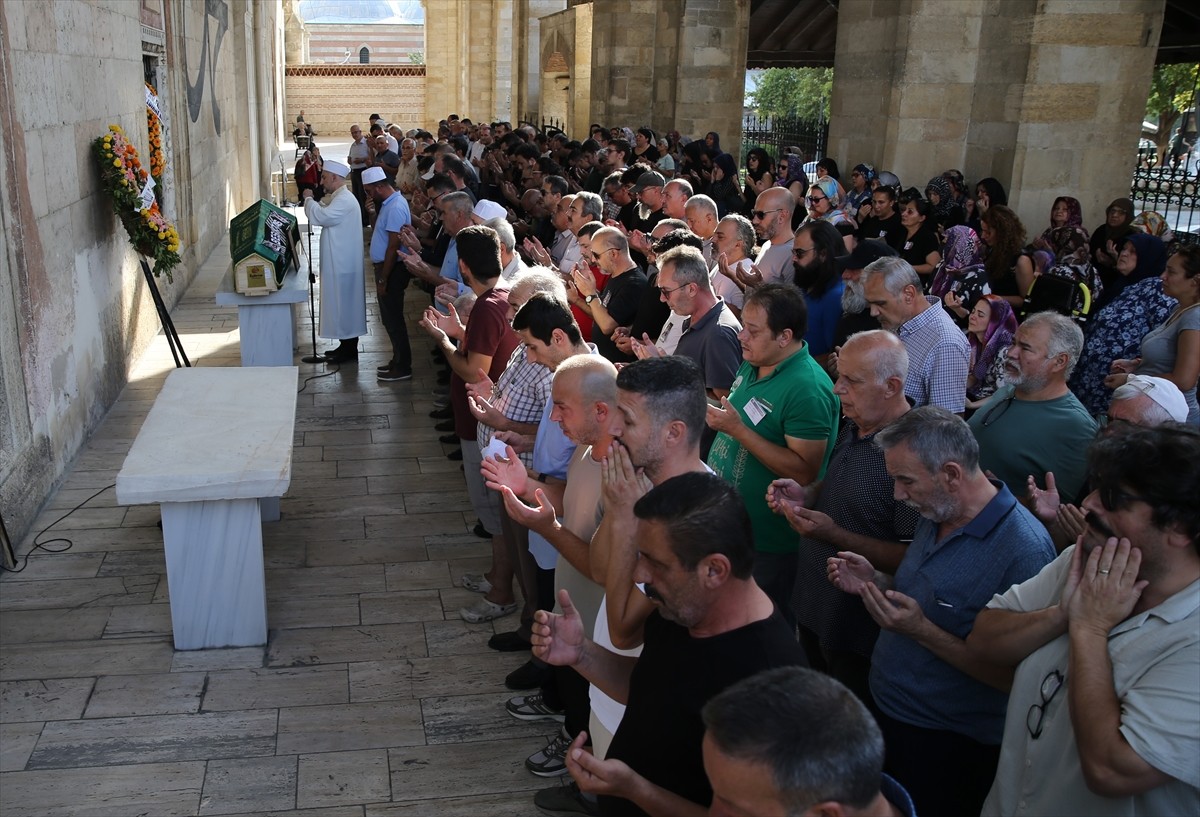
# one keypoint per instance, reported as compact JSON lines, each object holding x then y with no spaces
{"x":444,"y":413}
{"x":527,"y":676}
{"x":450,"y":439}
{"x":455,"y":455}
{"x":508,"y":642}
{"x":444,"y":425}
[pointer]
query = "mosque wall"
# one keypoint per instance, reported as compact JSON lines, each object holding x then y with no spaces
{"x":333,"y":97}
{"x":74,"y":307}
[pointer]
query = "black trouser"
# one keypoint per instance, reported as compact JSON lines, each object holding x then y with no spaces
{"x":850,"y":668}
{"x":947,"y":774}
{"x":775,"y":573}
{"x":391,"y":313}
{"x":360,"y":193}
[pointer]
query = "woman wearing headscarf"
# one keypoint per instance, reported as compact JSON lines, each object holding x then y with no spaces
{"x":724,"y":186}
{"x":1107,"y":237}
{"x":1066,"y":236}
{"x":826,"y":203}
{"x":945,"y":212}
{"x":793,"y":177}
{"x":960,"y":278}
{"x":858,"y":197}
{"x":1152,"y":223}
{"x":1127,"y":311}
{"x":991,"y":326}
{"x":758,"y":176}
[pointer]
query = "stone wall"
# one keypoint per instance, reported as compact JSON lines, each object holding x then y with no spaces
{"x":1045,"y":95}
{"x":334,"y":97}
{"x":386,"y":43}
{"x":74,"y":309}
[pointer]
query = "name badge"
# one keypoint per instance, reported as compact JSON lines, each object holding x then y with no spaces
{"x":756,"y":410}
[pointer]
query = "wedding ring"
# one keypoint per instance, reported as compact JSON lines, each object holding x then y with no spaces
{"x":1104,"y":572}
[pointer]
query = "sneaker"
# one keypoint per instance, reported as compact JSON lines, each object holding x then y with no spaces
{"x":392,"y":375}
{"x":385,"y":367}
{"x":551,"y":761}
{"x":565,"y":801}
{"x":533,"y":708}
{"x":484,"y":610}
{"x":476,"y":583}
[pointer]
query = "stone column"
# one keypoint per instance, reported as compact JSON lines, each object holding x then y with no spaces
{"x":670,"y":64}
{"x":1046,"y":96}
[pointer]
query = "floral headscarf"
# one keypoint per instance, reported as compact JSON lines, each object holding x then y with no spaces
{"x":795,"y":173}
{"x":1002,"y":326}
{"x":962,"y":258}
{"x":1070,"y":242}
{"x":1150,"y":223}
{"x":831,"y":189}
{"x":939,"y":185}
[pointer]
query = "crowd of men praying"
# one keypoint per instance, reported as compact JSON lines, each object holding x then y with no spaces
{"x":805,"y":495}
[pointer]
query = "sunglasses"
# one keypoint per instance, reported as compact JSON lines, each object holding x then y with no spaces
{"x":816,"y":199}
{"x":761,"y":214}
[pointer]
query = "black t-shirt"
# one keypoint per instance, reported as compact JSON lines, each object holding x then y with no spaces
{"x":916,"y":250}
{"x":849,"y":324}
{"x":621,"y":296}
{"x":889,"y":229}
{"x":676,"y":675}
{"x":652,"y":312}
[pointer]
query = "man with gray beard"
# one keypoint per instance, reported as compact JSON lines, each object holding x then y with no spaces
{"x":856,"y":313}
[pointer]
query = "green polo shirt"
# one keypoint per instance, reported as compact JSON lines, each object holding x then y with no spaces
{"x":796,"y":400}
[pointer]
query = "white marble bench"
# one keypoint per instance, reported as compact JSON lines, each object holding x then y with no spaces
{"x":215,"y":452}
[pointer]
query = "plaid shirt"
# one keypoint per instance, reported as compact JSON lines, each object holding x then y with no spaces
{"x":938,"y":359}
{"x":520,"y":394}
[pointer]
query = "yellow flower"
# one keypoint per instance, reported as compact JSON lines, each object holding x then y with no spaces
{"x":116,"y":162}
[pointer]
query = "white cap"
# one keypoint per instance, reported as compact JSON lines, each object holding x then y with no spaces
{"x":373,"y":174}
{"x":337,"y":168}
{"x":487,"y":210}
{"x":427,"y":175}
{"x":1163,"y":392}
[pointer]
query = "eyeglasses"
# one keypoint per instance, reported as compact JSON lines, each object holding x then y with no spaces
{"x":1113,"y":498}
{"x":761,"y":214}
{"x":997,"y":411}
{"x":1051,"y":684}
{"x":800,"y":252}
{"x":816,"y":199}
{"x":666,"y":291}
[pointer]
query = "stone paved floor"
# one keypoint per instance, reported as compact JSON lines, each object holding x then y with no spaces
{"x":371,"y":698}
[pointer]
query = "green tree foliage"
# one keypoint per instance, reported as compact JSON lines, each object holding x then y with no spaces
{"x":1172,"y":91}
{"x":802,"y":92}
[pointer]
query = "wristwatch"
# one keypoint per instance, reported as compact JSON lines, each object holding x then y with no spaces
{"x":588,"y":299}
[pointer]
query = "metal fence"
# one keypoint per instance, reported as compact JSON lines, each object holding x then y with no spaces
{"x":543,"y":123}
{"x":1173,"y":192}
{"x":774,"y":133}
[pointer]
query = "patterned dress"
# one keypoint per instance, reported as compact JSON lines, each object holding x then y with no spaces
{"x":1117,"y":332}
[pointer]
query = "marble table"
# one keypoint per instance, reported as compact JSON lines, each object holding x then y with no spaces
{"x":215,"y":453}
{"x":266,"y":323}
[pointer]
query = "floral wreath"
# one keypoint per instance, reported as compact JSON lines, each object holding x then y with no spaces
{"x":158,"y":159}
{"x":132,"y":191}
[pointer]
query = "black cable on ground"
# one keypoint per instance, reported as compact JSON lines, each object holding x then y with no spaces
{"x":24,"y":561}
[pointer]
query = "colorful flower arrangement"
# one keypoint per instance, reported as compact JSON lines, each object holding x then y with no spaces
{"x":158,"y":158}
{"x":124,"y":178}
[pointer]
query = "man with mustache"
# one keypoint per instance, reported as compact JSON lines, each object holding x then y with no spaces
{"x":712,"y":626}
{"x":1104,"y":714}
{"x":941,"y":726}
{"x":1033,"y":423}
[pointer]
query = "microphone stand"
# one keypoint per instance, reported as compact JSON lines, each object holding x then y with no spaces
{"x":315,"y":357}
